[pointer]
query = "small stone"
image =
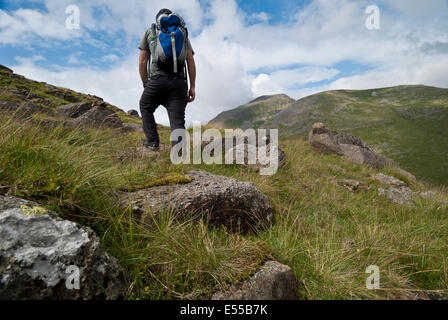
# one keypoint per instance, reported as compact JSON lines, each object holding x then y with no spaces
{"x":388,"y":180}
{"x":274,"y":281}
{"x":133,"y":113}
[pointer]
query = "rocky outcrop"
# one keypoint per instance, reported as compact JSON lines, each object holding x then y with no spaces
{"x":99,"y":116}
{"x":90,"y":114}
{"x":239,"y":149}
{"x":274,"y":281}
{"x":401,"y":195}
{"x":21,"y":110}
{"x":133,"y":113}
{"x":221,"y":201}
{"x":74,"y":110}
{"x":398,"y":193}
{"x":38,"y":250}
{"x":391,"y":181}
{"x":9,"y":106}
{"x":353,"y":148}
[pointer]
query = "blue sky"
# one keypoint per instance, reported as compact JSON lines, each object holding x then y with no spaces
{"x":244,"y":49}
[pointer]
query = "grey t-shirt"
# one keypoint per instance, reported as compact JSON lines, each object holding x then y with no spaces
{"x":148,"y":44}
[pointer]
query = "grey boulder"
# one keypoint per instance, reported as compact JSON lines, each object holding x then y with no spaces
{"x":74,"y":110}
{"x":99,"y":116}
{"x":398,"y":192}
{"x":133,"y":113}
{"x":222,"y":201}
{"x":351,"y":147}
{"x":38,"y":250}
{"x":274,"y":281}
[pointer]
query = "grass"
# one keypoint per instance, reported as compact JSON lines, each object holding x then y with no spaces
{"x":327,"y":234}
{"x":76,"y":171}
{"x":54,"y":97}
{"x":406,"y":123}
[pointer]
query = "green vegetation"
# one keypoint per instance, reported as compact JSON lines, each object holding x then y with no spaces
{"x":77,"y":172}
{"x":50,"y":97}
{"x":171,"y":179}
{"x":327,"y":234}
{"x":406,"y":123}
{"x":255,"y":112}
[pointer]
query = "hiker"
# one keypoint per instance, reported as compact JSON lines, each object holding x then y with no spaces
{"x":169,"y":48}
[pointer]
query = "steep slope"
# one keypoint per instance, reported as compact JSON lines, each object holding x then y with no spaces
{"x":256,"y":112}
{"x":405,"y":123}
{"x":46,"y":97}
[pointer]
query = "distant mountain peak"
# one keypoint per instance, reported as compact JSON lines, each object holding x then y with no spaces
{"x":407,"y":123}
{"x":272,"y":96}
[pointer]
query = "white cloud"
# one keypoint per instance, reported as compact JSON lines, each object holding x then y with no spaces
{"x":24,"y":24}
{"x":229,"y":52}
{"x":285,"y":81}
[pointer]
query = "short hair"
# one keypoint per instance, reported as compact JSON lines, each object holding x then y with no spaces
{"x":163,"y":11}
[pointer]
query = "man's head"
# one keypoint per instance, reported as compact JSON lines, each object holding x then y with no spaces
{"x":163,"y":13}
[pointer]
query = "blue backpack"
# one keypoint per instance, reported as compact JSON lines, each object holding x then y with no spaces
{"x":171,"y":38}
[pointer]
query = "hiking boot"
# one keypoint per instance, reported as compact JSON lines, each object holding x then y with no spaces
{"x":151,"y":145}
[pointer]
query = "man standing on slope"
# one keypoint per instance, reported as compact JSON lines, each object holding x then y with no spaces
{"x":169,"y":48}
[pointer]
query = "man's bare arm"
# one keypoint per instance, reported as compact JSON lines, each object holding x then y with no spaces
{"x":143,"y":65}
{"x":192,"y":73}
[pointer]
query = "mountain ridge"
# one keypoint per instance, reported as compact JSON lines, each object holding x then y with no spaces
{"x":404,"y":122}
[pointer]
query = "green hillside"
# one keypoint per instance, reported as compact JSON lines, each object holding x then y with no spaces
{"x":406,"y":123}
{"x":16,"y":88}
{"x":326,"y":233}
{"x":255,"y":113}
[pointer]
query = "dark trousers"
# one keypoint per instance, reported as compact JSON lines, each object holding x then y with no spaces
{"x":170,"y":92}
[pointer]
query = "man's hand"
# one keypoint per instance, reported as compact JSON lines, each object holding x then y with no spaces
{"x":192,"y":73}
{"x":191,"y":94}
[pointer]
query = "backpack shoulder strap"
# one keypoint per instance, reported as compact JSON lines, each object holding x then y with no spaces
{"x":154,"y":31}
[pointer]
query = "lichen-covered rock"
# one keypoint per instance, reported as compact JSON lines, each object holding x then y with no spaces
{"x":353,"y":148}
{"x":403,"y":195}
{"x":274,"y":281}
{"x":239,"y":206}
{"x":391,"y":181}
{"x":37,"y":250}
{"x":398,"y":193}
